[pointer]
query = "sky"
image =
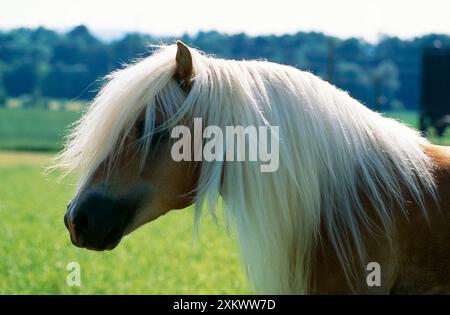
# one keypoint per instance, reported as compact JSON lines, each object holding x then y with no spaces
{"x":366,"y":19}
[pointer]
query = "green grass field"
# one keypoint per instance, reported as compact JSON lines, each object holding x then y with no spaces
{"x":160,"y":258}
{"x":33,"y":129}
{"x":42,"y":129}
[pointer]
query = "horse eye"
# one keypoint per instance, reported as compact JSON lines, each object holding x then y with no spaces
{"x":140,"y":125}
{"x":140,"y":130}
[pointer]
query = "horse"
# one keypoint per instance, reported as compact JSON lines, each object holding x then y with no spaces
{"x":353,"y":189}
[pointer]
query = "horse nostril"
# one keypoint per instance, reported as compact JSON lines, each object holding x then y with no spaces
{"x":81,"y":223}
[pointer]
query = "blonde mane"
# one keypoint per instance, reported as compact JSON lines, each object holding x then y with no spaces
{"x":334,"y":152}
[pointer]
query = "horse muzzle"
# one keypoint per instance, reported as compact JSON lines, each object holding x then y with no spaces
{"x":97,"y":221}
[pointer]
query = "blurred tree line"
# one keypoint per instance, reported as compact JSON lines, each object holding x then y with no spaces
{"x":40,"y":63}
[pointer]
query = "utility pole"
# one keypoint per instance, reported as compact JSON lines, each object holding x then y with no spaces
{"x":330,"y":63}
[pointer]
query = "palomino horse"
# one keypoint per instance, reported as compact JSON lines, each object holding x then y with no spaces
{"x":352,"y":187}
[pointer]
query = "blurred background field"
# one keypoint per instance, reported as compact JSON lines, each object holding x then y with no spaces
{"x":41,"y":129}
{"x":34,"y":129}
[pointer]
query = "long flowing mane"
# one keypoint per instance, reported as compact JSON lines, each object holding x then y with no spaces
{"x":335,"y":154}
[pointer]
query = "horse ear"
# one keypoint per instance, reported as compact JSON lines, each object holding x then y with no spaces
{"x":184,"y":68}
